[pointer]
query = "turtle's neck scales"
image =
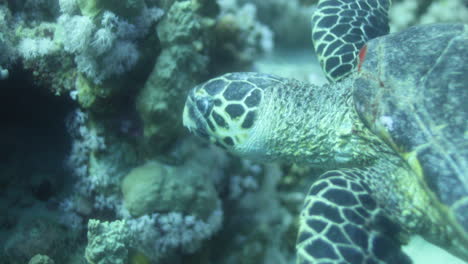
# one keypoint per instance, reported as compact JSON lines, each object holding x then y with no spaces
{"x":316,"y":125}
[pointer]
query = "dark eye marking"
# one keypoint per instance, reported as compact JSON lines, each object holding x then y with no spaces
{"x":204,"y":106}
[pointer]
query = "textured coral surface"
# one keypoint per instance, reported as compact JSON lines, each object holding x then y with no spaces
{"x":95,"y":164}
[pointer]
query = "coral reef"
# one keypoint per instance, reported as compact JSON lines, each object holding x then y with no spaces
{"x":165,"y":208}
{"x":94,"y":161}
{"x":107,"y":242}
{"x":155,"y":187}
{"x":197,"y":38}
{"x":7,"y":52}
{"x":100,"y":54}
{"x":183,"y":36}
{"x":40,"y":235}
{"x":288,"y":19}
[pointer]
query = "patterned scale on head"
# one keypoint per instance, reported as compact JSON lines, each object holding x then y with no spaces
{"x":223,"y":109}
{"x":390,"y":128}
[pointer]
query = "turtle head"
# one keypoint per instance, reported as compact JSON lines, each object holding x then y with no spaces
{"x":266,"y":118}
{"x":224,"y":111}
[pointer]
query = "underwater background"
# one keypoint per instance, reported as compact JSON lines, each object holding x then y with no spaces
{"x":95,"y":165}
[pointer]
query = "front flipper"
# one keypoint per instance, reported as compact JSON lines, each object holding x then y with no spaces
{"x":340,"y":28}
{"x":341,"y":223}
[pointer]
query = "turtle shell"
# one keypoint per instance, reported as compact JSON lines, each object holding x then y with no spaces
{"x":412,"y":91}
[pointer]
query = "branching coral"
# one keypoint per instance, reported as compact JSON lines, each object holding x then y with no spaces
{"x":155,"y":236}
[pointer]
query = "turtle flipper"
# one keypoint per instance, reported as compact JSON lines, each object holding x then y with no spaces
{"x":340,"y":28}
{"x":341,"y":223}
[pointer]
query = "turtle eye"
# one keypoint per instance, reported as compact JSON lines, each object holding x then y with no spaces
{"x":205,"y":106}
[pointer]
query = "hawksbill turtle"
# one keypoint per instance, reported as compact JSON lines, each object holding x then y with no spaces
{"x":391,"y":129}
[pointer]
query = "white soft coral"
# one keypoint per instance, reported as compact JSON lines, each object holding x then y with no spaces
{"x":103,"y":40}
{"x":31,"y":48}
{"x":105,"y":49}
{"x":77,"y":32}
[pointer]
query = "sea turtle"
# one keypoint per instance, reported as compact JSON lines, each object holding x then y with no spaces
{"x":391,"y":128}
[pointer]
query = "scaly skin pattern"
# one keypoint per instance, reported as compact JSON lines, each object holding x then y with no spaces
{"x":420,"y":110}
{"x":293,"y":121}
{"x":316,"y":125}
{"x":340,"y":28}
{"x":381,"y":186}
{"x":410,"y":90}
